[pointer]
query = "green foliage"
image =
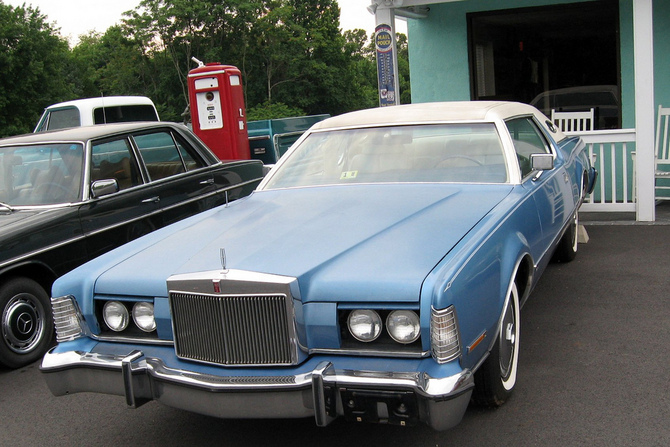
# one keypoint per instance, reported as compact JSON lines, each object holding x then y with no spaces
{"x":268,"y":111}
{"x":293,"y":56}
{"x":34,"y":63}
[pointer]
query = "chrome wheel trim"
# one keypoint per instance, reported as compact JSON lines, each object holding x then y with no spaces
{"x":575,"y":231}
{"x":22,"y":323}
{"x":508,"y":341}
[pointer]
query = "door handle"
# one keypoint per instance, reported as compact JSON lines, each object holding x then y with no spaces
{"x":207,"y":182}
{"x":155,"y":199}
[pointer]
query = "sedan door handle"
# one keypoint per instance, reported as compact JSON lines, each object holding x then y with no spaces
{"x":152,"y":200}
{"x":209,"y":181}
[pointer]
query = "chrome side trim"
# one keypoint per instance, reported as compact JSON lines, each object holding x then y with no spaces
{"x":41,"y":250}
{"x":132,"y":340}
{"x":167,"y":208}
{"x":372,"y":353}
{"x":213,"y":193}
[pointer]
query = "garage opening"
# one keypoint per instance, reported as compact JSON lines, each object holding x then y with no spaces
{"x":563,"y":57}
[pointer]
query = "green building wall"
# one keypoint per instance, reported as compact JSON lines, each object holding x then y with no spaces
{"x":438,"y":51}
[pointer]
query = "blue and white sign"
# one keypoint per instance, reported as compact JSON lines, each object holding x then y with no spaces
{"x":385,"y":65}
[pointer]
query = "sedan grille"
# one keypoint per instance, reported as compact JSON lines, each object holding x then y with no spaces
{"x":233,"y":330}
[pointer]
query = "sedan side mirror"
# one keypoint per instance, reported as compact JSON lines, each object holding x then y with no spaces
{"x":105,"y":187}
{"x":542,"y":162}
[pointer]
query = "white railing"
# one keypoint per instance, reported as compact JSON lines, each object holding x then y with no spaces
{"x":612,"y":153}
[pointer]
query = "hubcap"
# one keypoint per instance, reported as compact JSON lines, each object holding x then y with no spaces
{"x":22,"y":323}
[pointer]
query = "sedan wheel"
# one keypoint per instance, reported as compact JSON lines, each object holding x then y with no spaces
{"x":26,"y":324}
{"x":495,"y":379}
{"x":566,"y":250}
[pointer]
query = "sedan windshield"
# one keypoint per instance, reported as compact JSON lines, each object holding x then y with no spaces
{"x":470,"y":153}
{"x":42,"y":174}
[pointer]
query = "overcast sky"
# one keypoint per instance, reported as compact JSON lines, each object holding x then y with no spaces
{"x":76,"y":17}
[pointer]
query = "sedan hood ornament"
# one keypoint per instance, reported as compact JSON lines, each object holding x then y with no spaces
{"x":222,"y":253}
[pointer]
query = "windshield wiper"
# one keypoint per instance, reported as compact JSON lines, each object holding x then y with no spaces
{"x":5,"y":205}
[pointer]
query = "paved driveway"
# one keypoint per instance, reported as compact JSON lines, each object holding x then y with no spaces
{"x":594,"y":371}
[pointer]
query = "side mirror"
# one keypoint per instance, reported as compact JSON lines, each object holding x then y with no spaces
{"x":541,"y":162}
{"x":105,"y":187}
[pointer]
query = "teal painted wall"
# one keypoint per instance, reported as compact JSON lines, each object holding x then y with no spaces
{"x":627,"y":64}
{"x":662,"y":52}
{"x":439,"y":58}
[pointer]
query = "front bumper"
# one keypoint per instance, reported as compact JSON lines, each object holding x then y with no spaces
{"x":324,"y":392}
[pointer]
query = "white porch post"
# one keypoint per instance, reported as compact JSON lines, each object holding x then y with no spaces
{"x":643,"y":37}
{"x":387,"y":52}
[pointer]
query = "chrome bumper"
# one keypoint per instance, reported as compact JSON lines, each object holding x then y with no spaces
{"x":324,"y":393}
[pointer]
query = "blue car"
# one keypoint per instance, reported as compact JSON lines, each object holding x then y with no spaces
{"x":376,"y":274}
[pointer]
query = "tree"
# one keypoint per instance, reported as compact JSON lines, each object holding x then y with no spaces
{"x":289,"y":51}
{"x":34,"y":63}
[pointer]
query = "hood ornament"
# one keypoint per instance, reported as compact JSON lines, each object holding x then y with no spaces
{"x":222,"y":253}
{"x":216,"y":282}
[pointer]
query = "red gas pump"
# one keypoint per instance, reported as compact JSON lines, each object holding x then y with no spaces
{"x":217,"y":107}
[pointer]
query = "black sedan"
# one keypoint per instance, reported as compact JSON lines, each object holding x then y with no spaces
{"x":68,"y":196}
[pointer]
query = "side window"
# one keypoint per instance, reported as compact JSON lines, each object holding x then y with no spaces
{"x":124,"y":114}
{"x":527,"y":140}
{"x":63,"y":118}
{"x":160,"y":155}
{"x":114,"y":160}
{"x":191,"y":160}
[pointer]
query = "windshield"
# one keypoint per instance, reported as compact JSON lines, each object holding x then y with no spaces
{"x":470,"y":153}
{"x":42,"y":174}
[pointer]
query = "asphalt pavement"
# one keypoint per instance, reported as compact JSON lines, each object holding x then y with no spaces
{"x":594,"y":371}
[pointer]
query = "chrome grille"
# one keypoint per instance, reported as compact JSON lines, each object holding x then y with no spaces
{"x":232,"y":329}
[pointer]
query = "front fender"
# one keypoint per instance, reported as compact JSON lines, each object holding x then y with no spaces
{"x":476,"y":277}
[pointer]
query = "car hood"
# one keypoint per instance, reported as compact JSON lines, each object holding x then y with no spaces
{"x":359,"y":242}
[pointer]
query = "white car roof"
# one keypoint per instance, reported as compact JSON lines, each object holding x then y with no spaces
{"x":106,"y":101}
{"x":463,"y":111}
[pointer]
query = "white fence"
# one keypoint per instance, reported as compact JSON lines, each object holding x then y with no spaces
{"x":612,"y":152}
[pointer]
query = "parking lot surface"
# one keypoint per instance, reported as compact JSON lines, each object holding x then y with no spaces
{"x":594,"y":370}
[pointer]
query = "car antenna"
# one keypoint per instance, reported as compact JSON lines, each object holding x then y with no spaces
{"x":104,"y":111}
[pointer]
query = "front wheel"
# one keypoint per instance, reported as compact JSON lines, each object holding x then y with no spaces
{"x":26,"y":324}
{"x":566,"y":250}
{"x":495,"y":379}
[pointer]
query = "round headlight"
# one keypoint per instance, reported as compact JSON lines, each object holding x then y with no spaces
{"x":403,"y":326}
{"x":115,"y":315}
{"x":143,"y":316}
{"x":364,"y":325}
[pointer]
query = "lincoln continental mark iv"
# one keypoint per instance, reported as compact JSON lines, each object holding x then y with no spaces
{"x":376,"y":274}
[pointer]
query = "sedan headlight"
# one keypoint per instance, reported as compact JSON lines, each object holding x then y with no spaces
{"x":364,"y":325}
{"x":143,"y":316}
{"x":403,"y":326}
{"x":115,"y":315}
